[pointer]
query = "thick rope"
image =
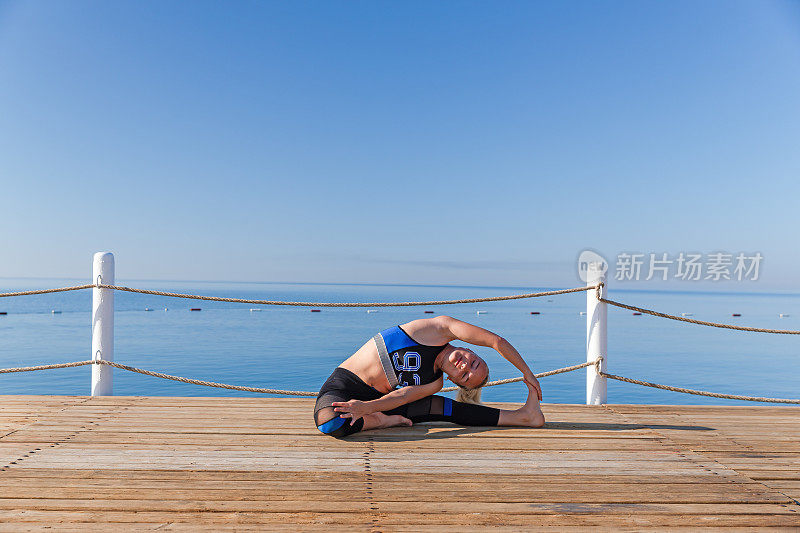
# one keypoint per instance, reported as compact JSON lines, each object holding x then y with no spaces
{"x":447,"y":389}
{"x":156,"y":374}
{"x":700,"y":322}
{"x":540,"y":375}
{"x":248,"y":389}
{"x":299,"y":304}
{"x":45,"y":291}
{"x":44,"y":367}
{"x":306,"y":393}
{"x":344,"y":304}
{"x":692,"y":391}
{"x":205,"y":383}
{"x":408,"y":304}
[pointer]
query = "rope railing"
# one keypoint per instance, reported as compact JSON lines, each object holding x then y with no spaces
{"x":404,"y":304}
{"x":205,"y":383}
{"x":540,"y":375}
{"x":693,"y":391}
{"x":263,"y":390}
{"x":44,"y":367}
{"x":300,"y":304}
{"x":344,"y":304}
{"x":46,"y":291}
{"x":699,"y":322}
{"x":251,"y":389}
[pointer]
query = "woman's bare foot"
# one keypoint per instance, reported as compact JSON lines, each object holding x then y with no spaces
{"x":395,"y":420}
{"x":379,"y":420}
{"x":532,"y":411}
{"x":529,"y":415}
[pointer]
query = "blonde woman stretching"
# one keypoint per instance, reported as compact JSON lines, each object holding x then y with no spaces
{"x":391,"y":381}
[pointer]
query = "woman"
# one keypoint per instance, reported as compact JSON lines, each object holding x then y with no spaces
{"x":362,"y":393}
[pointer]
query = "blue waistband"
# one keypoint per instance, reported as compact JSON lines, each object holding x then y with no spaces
{"x":448,"y":407}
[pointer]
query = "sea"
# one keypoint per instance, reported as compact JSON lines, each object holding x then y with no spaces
{"x":294,"y":348}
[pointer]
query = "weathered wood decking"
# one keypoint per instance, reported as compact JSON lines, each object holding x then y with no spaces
{"x":186,"y":464}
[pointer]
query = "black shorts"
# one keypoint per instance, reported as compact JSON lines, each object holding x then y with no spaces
{"x":343,"y":386}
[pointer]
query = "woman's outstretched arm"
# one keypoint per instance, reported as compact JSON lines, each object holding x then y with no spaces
{"x":481,"y":337}
{"x":355,"y":409}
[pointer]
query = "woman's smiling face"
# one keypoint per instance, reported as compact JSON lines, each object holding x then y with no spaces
{"x":464,"y":368}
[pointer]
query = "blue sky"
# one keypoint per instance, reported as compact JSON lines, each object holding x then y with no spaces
{"x":426,"y":142}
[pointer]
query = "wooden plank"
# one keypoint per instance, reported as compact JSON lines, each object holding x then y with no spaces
{"x":69,"y":474}
{"x":421,"y":494}
{"x":403,"y":522}
{"x":222,"y":463}
{"x":436,"y":507}
{"x":15,"y":487}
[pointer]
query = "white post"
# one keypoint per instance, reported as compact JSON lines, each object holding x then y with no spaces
{"x":596,"y":341}
{"x":102,"y":323}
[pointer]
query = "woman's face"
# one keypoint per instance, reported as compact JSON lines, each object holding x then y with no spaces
{"x":464,"y":368}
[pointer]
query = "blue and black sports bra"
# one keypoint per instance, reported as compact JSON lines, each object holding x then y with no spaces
{"x":404,"y":360}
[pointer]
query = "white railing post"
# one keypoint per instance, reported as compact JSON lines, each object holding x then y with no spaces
{"x":102,"y":323}
{"x":596,"y":339}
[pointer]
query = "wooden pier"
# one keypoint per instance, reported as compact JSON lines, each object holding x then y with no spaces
{"x":76,"y":463}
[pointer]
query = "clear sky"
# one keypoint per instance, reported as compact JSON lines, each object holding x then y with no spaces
{"x":428,"y":142}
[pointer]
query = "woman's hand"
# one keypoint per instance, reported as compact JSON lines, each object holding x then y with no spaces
{"x":531,"y":380}
{"x":353,"y":409}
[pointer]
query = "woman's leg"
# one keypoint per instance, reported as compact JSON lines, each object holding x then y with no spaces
{"x":441,"y":409}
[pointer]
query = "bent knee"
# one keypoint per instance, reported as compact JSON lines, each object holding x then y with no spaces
{"x":329,"y":422}
{"x":335,"y":427}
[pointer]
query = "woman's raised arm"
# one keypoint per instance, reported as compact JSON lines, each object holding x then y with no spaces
{"x":478,"y":336}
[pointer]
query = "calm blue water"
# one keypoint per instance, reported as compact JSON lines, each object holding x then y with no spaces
{"x":292,"y":348}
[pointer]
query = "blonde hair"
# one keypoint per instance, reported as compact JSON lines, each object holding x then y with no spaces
{"x":466,"y":395}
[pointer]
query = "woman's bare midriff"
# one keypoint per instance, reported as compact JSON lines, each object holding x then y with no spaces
{"x":365,"y":363}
